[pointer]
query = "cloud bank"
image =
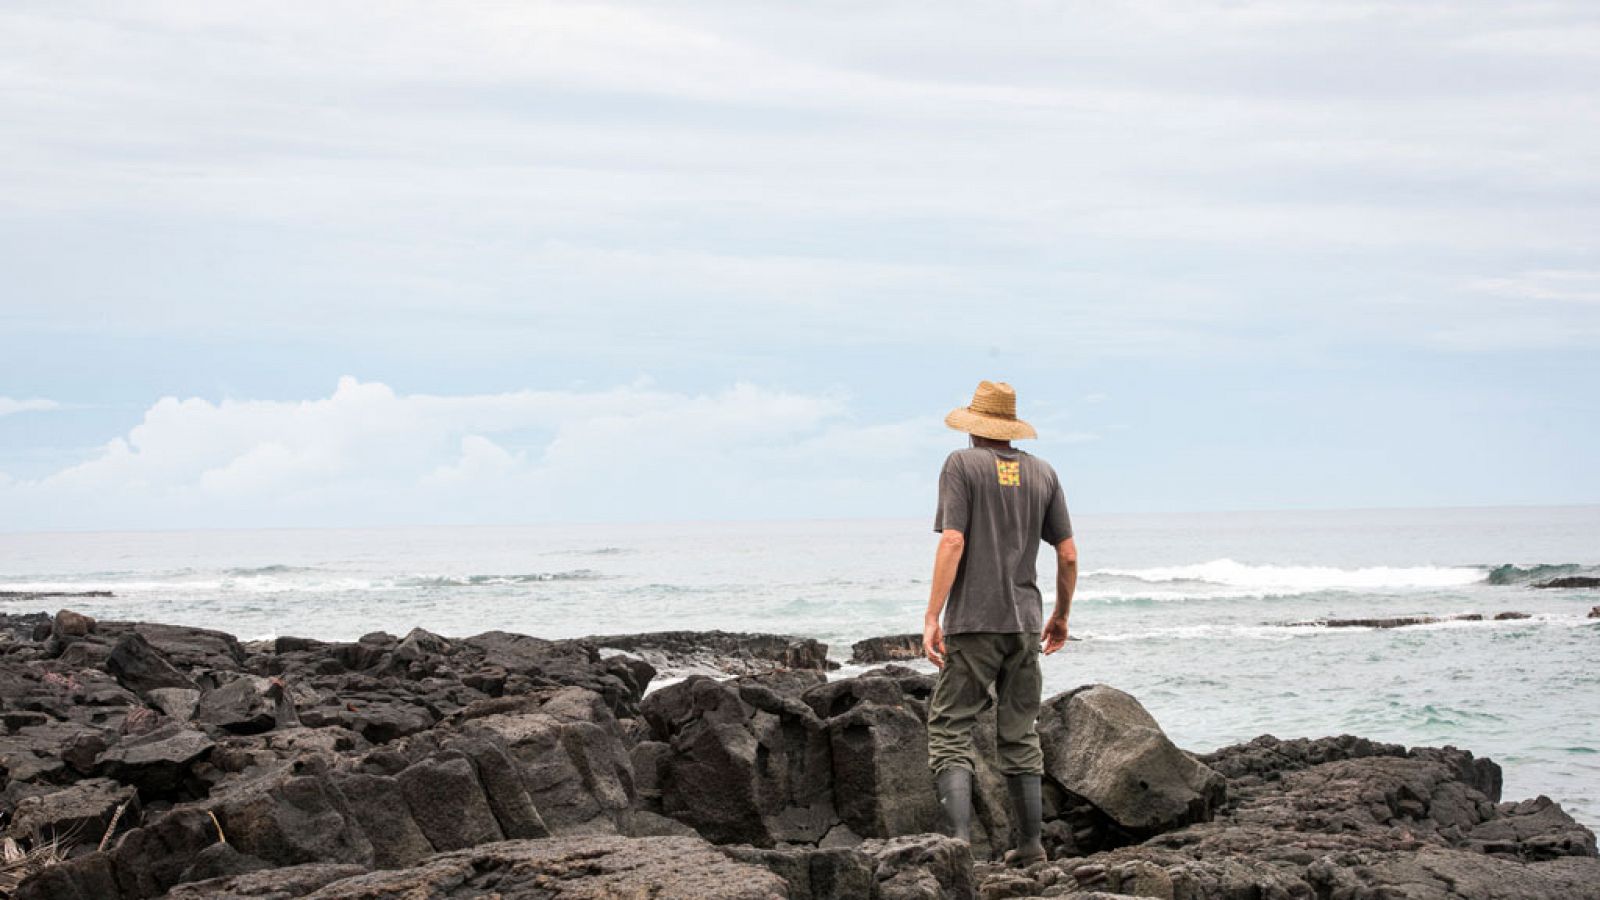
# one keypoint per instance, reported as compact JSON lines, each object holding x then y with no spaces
{"x":367,"y":455}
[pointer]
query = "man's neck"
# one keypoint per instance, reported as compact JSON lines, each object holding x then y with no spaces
{"x":991,"y":443}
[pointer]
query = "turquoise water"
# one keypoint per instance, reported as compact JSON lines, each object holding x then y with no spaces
{"x":1191,"y":613}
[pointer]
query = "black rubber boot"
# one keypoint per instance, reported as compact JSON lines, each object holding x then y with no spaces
{"x":1027,"y":811}
{"x":955,"y":796}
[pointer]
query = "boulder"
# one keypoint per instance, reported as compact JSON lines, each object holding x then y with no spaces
{"x":1101,"y":745}
{"x":243,"y":705}
{"x":881,"y":780}
{"x":69,"y":625}
{"x":158,"y":762}
{"x":380,"y":808}
{"x":448,"y":803}
{"x":140,"y":667}
{"x":176,"y":703}
{"x":289,"y":815}
{"x":893,"y":648}
{"x":738,"y":772}
{"x":921,"y":867}
{"x":79,"y":813}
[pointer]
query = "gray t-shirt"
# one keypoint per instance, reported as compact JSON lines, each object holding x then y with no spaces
{"x":1004,"y":502}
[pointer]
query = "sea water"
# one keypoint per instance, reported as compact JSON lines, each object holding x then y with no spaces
{"x":1198,"y":615}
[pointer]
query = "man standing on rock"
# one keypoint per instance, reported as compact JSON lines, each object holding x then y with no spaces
{"x":996,"y":503}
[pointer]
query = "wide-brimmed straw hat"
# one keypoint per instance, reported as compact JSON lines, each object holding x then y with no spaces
{"x":992,"y":414}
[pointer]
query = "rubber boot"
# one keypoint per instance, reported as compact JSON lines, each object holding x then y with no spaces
{"x":1027,"y":811}
{"x":955,"y":796}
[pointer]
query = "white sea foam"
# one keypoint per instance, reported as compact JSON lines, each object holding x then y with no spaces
{"x":1302,"y":579}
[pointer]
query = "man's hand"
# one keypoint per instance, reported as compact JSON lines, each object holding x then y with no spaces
{"x":1055,"y":634}
{"x":933,"y":642}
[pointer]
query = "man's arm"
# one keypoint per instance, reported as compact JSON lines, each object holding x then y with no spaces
{"x":945,"y":563}
{"x":1055,"y":629}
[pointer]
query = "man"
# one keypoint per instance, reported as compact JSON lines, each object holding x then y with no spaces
{"x":996,"y":503}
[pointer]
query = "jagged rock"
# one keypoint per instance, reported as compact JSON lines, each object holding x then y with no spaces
{"x":186,"y":647}
{"x":738,"y":773}
{"x":157,"y":762}
{"x":1533,"y":830}
{"x":719,"y":652}
{"x":380,"y":809}
{"x":448,"y":803}
{"x":666,"y":868}
{"x":78,"y":813}
{"x":813,"y":874}
{"x":139,"y":667}
{"x":1101,"y":745}
{"x":921,"y":867}
{"x":176,"y":703}
{"x":1571,"y":581}
{"x":290,"y":815}
{"x":881,"y":780}
{"x":570,"y":757}
{"x":241,"y":706}
{"x":893,"y":648}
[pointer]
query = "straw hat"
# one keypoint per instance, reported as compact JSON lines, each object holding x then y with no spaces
{"x":992,"y":414}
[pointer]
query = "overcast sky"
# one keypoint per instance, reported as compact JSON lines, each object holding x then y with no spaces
{"x":392,"y":262}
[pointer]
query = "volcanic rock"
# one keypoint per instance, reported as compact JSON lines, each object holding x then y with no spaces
{"x":894,"y":648}
{"x":719,"y":652}
{"x":1571,"y":581}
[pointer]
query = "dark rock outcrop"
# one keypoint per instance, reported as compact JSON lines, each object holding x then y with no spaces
{"x":498,"y":763}
{"x":719,"y":652}
{"x":893,"y":648}
{"x":1571,"y":581}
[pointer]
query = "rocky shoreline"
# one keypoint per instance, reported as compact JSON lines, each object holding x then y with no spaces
{"x":142,"y":760}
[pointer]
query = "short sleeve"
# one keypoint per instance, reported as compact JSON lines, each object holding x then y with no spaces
{"x":1057,"y":523}
{"x":954,"y":498}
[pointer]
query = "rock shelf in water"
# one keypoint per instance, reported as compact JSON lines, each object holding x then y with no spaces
{"x":181,"y":763}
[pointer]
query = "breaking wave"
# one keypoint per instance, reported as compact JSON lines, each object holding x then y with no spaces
{"x":1509,"y":574}
{"x":1228,"y":573}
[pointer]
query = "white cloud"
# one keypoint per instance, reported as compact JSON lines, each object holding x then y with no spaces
{"x":9,"y":406}
{"x":368,"y":455}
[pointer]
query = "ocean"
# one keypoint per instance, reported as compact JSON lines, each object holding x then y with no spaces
{"x":1194,"y":614}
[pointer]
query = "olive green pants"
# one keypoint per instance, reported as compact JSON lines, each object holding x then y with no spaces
{"x":981,"y":668}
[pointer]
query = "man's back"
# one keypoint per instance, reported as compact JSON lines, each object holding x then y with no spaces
{"x":1004,"y":502}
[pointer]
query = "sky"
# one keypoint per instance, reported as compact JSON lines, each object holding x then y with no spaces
{"x":278,"y":264}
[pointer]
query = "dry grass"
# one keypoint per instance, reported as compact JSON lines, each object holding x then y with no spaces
{"x":17,"y":863}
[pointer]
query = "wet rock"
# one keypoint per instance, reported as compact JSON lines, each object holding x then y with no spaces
{"x":1505,"y":616}
{"x":719,"y":652}
{"x":140,"y":667}
{"x":668,"y":868}
{"x":1571,"y":581}
{"x":1594,"y":613}
{"x":1101,"y":745}
{"x":894,"y":648}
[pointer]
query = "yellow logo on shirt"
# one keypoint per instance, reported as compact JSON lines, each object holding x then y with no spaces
{"x":1010,"y":472}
